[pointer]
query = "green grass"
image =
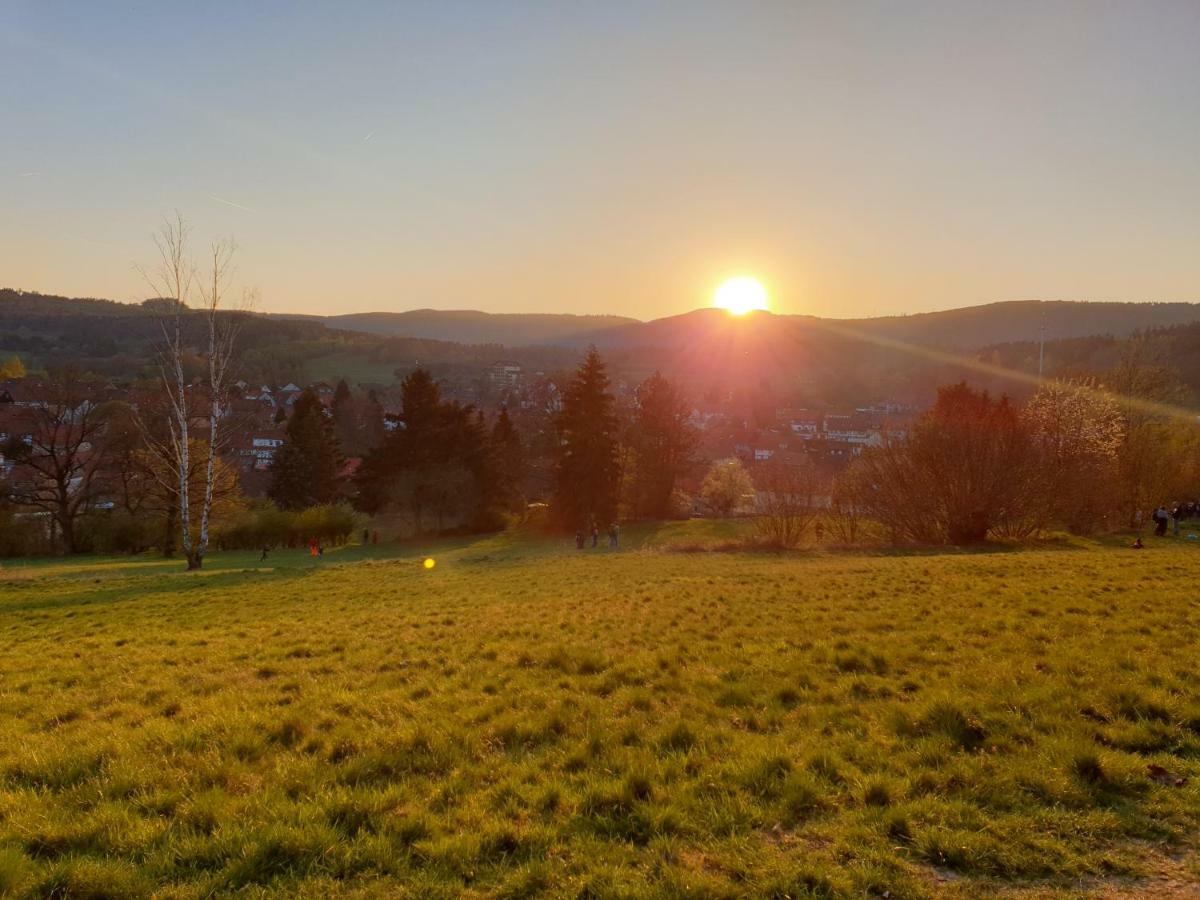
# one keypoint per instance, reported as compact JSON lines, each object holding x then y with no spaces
{"x":526,"y":719}
{"x":355,"y":368}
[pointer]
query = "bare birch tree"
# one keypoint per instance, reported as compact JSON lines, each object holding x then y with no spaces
{"x":177,"y":281}
{"x":222,"y":329}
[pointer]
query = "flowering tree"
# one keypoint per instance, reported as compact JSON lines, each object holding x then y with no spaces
{"x":1077,"y":430}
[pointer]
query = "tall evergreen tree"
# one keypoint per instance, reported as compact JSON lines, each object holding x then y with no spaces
{"x":421,"y":401}
{"x":373,"y":431}
{"x":587,"y":476}
{"x":509,"y":456}
{"x":663,"y":443}
{"x":345,"y":420}
{"x":307,"y":468}
{"x":438,"y":467}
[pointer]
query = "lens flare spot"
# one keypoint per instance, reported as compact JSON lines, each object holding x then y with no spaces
{"x":429,"y":563}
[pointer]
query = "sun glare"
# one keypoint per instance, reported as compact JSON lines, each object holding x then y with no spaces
{"x":741,"y":295}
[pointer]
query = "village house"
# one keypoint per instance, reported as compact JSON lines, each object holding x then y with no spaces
{"x":805,"y":423}
{"x":504,"y":374}
{"x":263,"y":450}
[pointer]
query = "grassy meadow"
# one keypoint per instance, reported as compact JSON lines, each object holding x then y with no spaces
{"x":525,"y":719}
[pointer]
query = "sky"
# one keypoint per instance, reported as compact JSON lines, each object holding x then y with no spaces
{"x":860,"y":158}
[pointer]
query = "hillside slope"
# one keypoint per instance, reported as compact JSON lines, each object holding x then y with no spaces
{"x":467,"y":326}
{"x":968,"y":328}
{"x":543,"y":721}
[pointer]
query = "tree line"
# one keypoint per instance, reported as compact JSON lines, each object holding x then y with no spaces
{"x":1077,"y":455}
{"x":443,"y":466}
{"x":121,"y":475}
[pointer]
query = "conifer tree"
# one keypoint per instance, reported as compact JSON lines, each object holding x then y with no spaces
{"x":587,"y":477}
{"x":345,"y":419}
{"x":373,"y":431}
{"x":306,"y":470}
{"x":438,"y":467}
{"x":509,"y":456}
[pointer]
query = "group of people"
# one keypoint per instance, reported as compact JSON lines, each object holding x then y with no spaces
{"x":1174,"y":515}
{"x":614,"y":536}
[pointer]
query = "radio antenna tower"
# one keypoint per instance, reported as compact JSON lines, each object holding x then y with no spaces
{"x":1042,"y":348}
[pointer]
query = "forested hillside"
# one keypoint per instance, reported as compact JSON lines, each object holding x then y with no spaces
{"x":466,"y":326}
{"x":118,"y":339}
{"x":777,"y":358}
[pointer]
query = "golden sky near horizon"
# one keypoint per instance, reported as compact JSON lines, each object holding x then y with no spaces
{"x":857,"y":158}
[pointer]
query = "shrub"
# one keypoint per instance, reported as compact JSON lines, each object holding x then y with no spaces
{"x":726,"y":487}
{"x":120,"y":532}
{"x":268,"y":526}
{"x":786,"y":502}
{"x":968,"y":468}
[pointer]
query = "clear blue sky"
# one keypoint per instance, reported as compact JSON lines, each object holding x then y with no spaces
{"x":860,"y":158}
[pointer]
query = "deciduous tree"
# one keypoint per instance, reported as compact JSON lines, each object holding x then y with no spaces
{"x":785,"y":500}
{"x":1077,"y":431}
{"x":726,"y":487}
{"x":663,"y":443}
{"x":178,"y":282}
{"x":56,"y":468}
{"x":967,"y":469}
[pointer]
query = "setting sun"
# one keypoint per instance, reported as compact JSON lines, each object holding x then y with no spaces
{"x":741,"y":295}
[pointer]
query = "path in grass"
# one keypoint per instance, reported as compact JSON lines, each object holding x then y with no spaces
{"x":525,"y":718}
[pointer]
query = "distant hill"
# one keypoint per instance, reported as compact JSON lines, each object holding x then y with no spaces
{"x":966,"y":329}
{"x":795,"y":360}
{"x":959,"y":330}
{"x":119,"y":339}
{"x":1021,"y":320}
{"x":969,"y":328}
{"x":466,"y":326}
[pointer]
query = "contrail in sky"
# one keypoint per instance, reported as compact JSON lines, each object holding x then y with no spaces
{"x":229,"y":203}
{"x":370,"y":134}
{"x":27,"y":174}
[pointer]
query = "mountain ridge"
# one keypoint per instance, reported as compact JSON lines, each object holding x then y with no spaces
{"x":470,"y":326}
{"x":960,"y":329}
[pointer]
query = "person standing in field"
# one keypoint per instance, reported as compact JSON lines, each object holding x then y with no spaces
{"x":614,"y":534}
{"x":1160,"y":522}
{"x":263,"y":558}
{"x":579,"y":539}
{"x":595,"y":535}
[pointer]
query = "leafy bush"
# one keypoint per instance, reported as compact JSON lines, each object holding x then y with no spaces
{"x":268,"y":526}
